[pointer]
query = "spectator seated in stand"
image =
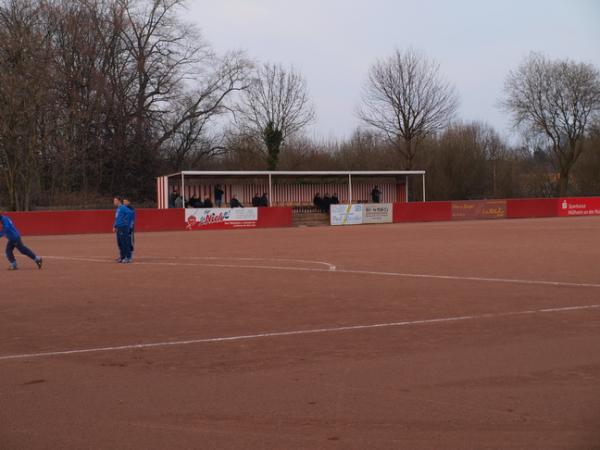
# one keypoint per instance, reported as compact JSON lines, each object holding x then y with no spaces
{"x":264,"y":200}
{"x":195,"y":202}
{"x":172,"y":198}
{"x":178,"y":202}
{"x":334,"y":199}
{"x":318,"y":201}
{"x":207,"y":203}
{"x":256,"y":200}
{"x":235,"y":203}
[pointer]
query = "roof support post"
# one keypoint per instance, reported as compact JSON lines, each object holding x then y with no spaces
{"x":183,"y":188}
{"x":270,"y":190}
{"x":350,"y":188}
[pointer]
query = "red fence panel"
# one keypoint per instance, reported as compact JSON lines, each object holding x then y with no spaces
{"x":422,"y":211}
{"x":531,"y":208}
{"x":160,"y":220}
{"x":63,"y":222}
{"x":95,"y":221}
{"x":478,"y":209}
{"x":274,"y":217}
{"x":101,"y":221}
{"x":582,"y":206}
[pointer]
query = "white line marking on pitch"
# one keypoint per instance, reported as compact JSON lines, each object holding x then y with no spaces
{"x":101,"y":259}
{"x":329,"y":266}
{"x":297,"y":332}
{"x":347,"y":271}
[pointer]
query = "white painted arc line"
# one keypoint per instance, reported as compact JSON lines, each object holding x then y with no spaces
{"x":348,"y":271}
{"x":101,"y":259}
{"x":216,"y":258}
{"x":295,"y":332}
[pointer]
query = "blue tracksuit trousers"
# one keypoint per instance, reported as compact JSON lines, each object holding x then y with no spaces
{"x":18,"y":244}
{"x":124,"y":242}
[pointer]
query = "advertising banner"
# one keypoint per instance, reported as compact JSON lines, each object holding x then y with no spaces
{"x":479,"y":209}
{"x":378,"y":213}
{"x":569,"y":207}
{"x":221,"y":218}
{"x":346,"y":214}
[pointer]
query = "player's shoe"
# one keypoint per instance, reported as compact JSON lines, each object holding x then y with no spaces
{"x":12,"y":267}
{"x":125,"y":261}
{"x":39,"y":262}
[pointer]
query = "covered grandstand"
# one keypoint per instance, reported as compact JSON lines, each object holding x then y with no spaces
{"x":289,"y":188}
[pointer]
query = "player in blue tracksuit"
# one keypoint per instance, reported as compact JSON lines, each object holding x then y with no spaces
{"x":14,"y":241}
{"x":122,"y":228}
{"x":131,"y":225}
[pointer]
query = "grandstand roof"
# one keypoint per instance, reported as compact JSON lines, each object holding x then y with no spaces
{"x":377,"y":173}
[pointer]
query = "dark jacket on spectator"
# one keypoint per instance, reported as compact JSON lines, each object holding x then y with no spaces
{"x":178,"y":202}
{"x":318,"y":201}
{"x":264,"y":200}
{"x":375,"y":194}
{"x":235,"y":203}
{"x":195,"y":202}
{"x":172,"y":198}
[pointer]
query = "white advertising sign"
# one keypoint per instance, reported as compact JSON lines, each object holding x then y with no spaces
{"x":221,"y":218}
{"x":378,"y":213}
{"x":346,"y":214}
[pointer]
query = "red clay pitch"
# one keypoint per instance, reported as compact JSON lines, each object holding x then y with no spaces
{"x":489,"y":338}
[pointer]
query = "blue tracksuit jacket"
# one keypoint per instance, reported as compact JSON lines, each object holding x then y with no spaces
{"x":9,"y":230}
{"x":122,"y":217}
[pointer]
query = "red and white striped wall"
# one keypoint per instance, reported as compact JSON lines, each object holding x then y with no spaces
{"x":162,"y":192}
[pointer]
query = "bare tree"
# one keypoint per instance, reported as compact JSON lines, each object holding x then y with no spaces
{"x":174,"y":78}
{"x":407,"y":100}
{"x":24,"y":88}
{"x":83,"y":39}
{"x":193,"y":142}
{"x":274,"y":107}
{"x":557,"y":100}
{"x":496,"y":154}
{"x":586,"y":172}
{"x":366,"y":150}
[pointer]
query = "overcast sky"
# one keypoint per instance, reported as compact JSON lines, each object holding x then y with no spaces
{"x":334,"y":42}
